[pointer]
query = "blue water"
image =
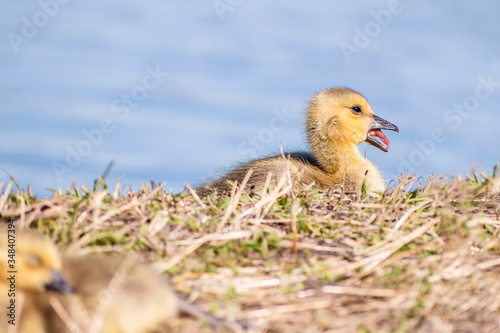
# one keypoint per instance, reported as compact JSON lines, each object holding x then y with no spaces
{"x":179,"y":91}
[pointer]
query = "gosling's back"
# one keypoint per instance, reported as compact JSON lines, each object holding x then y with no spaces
{"x":139,"y":301}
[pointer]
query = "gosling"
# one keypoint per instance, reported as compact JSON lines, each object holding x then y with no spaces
{"x":138,"y":301}
{"x":38,"y":268}
{"x":141,"y":302}
{"x":338,"y":119}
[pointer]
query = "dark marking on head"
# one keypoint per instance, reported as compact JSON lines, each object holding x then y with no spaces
{"x":332,"y":121}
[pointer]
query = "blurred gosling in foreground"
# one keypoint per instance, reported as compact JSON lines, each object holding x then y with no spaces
{"x":39,"y":269}
{"x":90,"y":293}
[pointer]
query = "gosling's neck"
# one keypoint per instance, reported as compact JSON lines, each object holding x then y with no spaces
{"x":337,"y":157}
{"x":334,"y":156}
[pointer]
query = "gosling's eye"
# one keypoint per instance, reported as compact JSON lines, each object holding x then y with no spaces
{"x":356,"y":110}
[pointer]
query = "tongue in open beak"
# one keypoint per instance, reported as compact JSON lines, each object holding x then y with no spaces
{"x":375,"y":131}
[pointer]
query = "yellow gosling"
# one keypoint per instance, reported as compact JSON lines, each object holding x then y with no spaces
{"x":338,"y":120}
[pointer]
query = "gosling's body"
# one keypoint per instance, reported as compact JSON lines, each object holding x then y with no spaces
{"x":139,"y":301}
{"x":307,"y":170}
{"x":334,"y":129}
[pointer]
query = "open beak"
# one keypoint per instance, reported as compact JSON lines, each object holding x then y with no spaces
{"x":59,"y":283}
{"x":375,"y":131}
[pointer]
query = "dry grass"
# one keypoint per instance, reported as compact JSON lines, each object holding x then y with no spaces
{"x":300,"y":260}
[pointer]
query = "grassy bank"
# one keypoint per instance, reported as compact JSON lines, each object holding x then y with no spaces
{"x":297,"y":259}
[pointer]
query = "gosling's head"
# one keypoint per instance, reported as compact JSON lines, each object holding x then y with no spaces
{"x":37,"y":264}
{"x":341,"y":116}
